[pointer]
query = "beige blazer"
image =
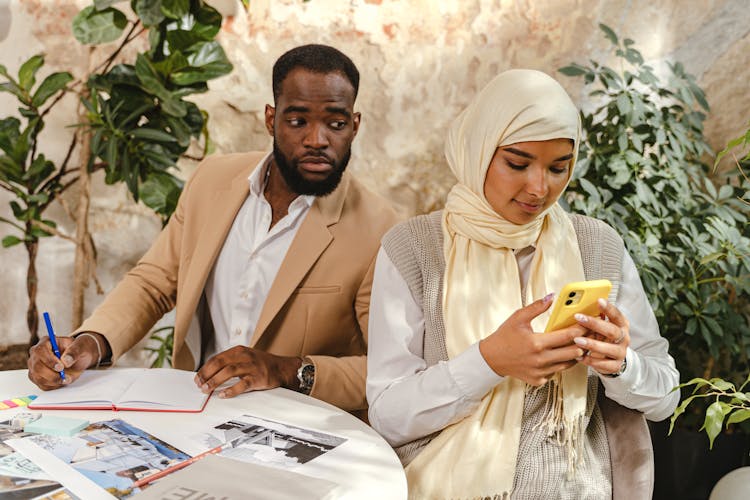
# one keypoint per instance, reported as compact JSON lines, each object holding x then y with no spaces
{"x":318,"y":303}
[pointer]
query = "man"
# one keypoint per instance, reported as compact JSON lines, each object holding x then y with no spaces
{"x":268,"y":258}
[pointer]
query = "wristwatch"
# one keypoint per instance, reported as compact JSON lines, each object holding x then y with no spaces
{"x":306,"y":377}
{"x":619,"y":372}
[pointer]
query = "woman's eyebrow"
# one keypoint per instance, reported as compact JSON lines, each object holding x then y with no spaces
{"x":532,"y":157}
{"x":520,"y":153}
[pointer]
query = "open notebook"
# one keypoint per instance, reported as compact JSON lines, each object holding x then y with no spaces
{"x":137,"y":389}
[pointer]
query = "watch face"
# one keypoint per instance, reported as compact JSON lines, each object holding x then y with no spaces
{"x":306,"y":377}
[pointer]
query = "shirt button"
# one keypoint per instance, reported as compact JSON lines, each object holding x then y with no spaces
{"x":237,"y":332}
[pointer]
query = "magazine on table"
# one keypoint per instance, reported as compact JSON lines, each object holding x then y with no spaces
{"x":269,"y":443}
{"x":102,"y":461}
{"x":20,"y":478}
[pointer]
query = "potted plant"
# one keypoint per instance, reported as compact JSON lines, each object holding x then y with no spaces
{"x":641,"y":168}
{"x":134,"y":123}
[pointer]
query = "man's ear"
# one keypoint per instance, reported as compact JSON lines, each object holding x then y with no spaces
{"x":356,"y":117}
{"x":270,"y":115}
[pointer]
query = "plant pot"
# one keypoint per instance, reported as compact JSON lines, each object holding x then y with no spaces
{"x":685,"y":468}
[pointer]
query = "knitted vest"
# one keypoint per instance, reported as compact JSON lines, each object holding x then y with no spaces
{"x":416,"y":249}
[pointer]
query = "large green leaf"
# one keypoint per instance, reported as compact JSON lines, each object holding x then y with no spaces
{"x":49,"y":87}
{"x":27,"y":72}
{"x":175,"y":62}
{"x":10,"y":130}
{"x":160,"y":192}
{"x":194,"y":119}
{"x":151,"y":134}
{"x":92,"y":27}
{"x":39,"y":170}
{"x":207,"y":22}
{"x":120,"y":74}
{"x":175,"y":9}
{"x":182,"y":40}
{"x":9,"y":241}
{"x":149,"y":12}
{"x":208,"y":62}
{"x":151,"y":81}
{"x":13,"y":88}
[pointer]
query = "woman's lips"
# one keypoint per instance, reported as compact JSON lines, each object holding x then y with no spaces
{"x":530,"y":207}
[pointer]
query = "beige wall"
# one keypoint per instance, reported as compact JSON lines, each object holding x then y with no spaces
{"x":420,"y":63}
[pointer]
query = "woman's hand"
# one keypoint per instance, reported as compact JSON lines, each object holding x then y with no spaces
{"x":606,"y":348}
{"x":515,"y":350}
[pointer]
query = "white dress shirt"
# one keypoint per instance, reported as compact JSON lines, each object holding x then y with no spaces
{"x":409,"y":400}
{"x":245,"y":269}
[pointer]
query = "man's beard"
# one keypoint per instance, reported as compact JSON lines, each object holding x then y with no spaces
{"x":290,"y":172}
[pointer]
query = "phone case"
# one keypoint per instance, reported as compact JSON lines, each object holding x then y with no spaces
{"x":577,"y":297}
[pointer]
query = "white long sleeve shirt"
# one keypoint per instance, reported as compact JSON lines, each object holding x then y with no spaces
{"x":409,"y":400}
{"x":248,"y":263}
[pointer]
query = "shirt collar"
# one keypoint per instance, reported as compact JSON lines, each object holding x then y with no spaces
{"x":258,"y":179}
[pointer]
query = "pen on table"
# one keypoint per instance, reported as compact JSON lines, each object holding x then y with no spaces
{"x":53,"y":341}
{"x":158,"y":475}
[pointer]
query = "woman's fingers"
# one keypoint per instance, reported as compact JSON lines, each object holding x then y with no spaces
{"x":607,"y":345}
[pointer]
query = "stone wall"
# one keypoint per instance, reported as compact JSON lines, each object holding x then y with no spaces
{"x":420,"y":62}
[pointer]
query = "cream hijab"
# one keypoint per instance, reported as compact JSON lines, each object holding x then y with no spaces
{"x":476,"y":457}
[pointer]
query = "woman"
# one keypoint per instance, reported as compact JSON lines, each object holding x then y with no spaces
{"x":477,"y":410}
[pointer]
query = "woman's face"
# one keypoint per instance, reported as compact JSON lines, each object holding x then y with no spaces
{"x":526,"y":178}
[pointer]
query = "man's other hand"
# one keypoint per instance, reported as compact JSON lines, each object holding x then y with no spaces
{"x":256,"y":370}
{"x":78,"y":353}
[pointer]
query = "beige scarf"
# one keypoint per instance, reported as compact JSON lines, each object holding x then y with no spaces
{"x":476,"y":457}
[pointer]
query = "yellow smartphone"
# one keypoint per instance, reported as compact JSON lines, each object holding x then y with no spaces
{"x":577,"y":297}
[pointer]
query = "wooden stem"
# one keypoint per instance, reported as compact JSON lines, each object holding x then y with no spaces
{"x":81,"y":267}
{"x":32,"y":315}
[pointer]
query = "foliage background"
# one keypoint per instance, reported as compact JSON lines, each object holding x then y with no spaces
{"x":421,"y":62}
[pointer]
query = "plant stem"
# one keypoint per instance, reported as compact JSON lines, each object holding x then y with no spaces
{"x":81,"y":268}
{"x":709,"y":368}
{"x":32,"y":316}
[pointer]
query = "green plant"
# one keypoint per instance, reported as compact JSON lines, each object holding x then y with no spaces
{"x":743,"y":141}
{"x":27,"y":173}
{"x":641,"y":169}
{"x":729,"y":404}
{"x":163,"y":339}
{"x":135,"y":122}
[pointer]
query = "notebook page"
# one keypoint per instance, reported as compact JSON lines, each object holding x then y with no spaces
{"x":165,"y":389}
{"x":94,"y":388}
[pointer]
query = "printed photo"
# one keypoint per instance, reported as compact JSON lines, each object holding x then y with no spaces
{"x":113,"y":454}
{"x":266,"y":442}
{"x":20,"y":478}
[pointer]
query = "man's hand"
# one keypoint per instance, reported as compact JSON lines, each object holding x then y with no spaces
{"x":256,"y":370}
{"x":77,"y":354}
{"x":515,"y":350}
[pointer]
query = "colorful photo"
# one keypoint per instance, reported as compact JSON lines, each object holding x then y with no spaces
{"x":113,"y":454}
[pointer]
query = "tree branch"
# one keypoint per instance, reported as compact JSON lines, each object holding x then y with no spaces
{"x":8,"y":221}
{"x":49,"y":229}
{"x":194,"y":158}
{"x":62,"y":171}
{"x":106,"y":64}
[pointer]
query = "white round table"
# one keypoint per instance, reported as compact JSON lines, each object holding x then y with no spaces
{"x":364,"y":466}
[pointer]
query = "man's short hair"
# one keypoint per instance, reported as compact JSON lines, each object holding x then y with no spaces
{"x":316,"y":58}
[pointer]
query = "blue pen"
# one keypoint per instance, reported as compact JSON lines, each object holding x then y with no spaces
{"x":53,"y":341}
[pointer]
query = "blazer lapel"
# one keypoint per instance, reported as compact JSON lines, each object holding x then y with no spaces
{"x":221,"y":206}
{"x":309,"y":243}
